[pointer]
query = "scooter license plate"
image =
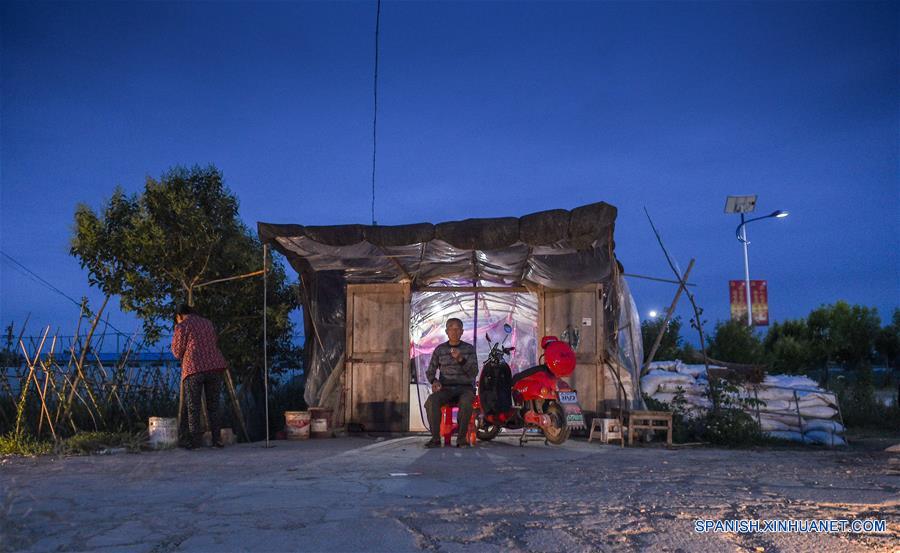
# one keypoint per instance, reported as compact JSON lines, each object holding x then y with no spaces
{"x":568,"y":397}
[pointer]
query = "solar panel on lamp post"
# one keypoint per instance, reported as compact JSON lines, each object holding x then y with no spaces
{"x":742,"y":205}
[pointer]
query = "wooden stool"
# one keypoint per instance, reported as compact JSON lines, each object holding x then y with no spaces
{"x":449,"y":426}
{"x":648,"y":420}
{"x":610,"y":429}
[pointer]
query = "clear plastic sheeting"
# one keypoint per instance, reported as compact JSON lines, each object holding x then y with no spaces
{"x":482,"y":313}
{"x":629,"y":354}
{"x":328,"y":314}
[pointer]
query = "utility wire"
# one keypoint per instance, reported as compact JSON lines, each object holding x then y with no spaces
{"x":375,"y":116}
{"x":41,"y":280}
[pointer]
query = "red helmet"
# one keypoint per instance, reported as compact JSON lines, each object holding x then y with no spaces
{"x":558,"y":356}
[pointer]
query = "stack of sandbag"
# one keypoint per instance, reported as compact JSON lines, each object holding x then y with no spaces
{"x":793,"y":407}
{"x":666,"y":377}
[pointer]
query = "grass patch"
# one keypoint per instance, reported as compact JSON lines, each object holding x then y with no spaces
{"x":10,"y":444}
{"x":83,"y":443}
{"x":86,"y":443}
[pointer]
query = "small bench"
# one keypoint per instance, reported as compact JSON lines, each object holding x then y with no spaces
{"x":650,"y":420}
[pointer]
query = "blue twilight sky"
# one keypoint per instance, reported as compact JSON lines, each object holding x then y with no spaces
{"x":485,"y":109}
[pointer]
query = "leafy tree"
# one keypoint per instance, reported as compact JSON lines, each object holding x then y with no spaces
{"x":846,"y":334}
{"x":735,"y":342}
{"x":670,"y":346}
{"x":155,"y":250}
{"x":887,"y":342}
{"x":789,"y":347}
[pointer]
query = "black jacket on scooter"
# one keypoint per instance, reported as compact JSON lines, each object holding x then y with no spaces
{"x":495,"y":388}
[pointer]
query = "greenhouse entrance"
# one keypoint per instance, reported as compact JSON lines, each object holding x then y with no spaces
{"x":484,"y":309}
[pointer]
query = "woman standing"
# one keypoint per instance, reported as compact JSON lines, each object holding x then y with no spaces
{"x":195,"y":344}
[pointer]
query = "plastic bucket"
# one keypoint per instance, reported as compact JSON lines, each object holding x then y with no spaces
{"x":296,"y":425}
{"x":163,"y":432}
{"x":320,"y":422}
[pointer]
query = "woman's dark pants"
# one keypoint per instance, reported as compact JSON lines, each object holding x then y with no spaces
{"x":207,"y":383}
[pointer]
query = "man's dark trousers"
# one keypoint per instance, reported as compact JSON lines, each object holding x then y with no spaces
{"x":463,"y":396}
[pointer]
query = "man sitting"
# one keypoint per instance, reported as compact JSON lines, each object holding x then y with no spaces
{"x":458,"y":365}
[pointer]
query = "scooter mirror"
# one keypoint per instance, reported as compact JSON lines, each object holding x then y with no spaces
{"x":507,"y":329}
{"x":487,"y":337}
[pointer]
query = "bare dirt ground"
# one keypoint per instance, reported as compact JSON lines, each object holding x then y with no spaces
{"x":368,"y":494}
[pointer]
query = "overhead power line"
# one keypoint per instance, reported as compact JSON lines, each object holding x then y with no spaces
{"x":41,"y":280}
{"x":375,"y":116}
{"x":47,"y":284}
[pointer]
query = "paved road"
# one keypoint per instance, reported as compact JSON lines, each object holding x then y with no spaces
{"x":363,"y":494}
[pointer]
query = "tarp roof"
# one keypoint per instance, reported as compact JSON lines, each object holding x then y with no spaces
{"x":557,"y":249}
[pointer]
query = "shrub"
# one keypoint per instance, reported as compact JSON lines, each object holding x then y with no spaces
{"x":727,"y":423}
{"x":860,"y":407}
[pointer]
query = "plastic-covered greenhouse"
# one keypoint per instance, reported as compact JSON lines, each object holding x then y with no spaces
{"x":376,"y":300}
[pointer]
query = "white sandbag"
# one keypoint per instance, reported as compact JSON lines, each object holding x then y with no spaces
{"x":693,"y":370}
{"x":812,"y":401}
{"x":651,"y":382}
{"x":787,"y":419}
{"x":791,"y":381}
{"x":766,"y":393}
{"x":776,"y":405}
{"x":767,"y":425}
{"x":690,"y":389}
{"x":820,"y":412}
{"x":698,"y":401}
{"x":816,"y":398}
{"x":663,"y":397}
{"x":822,"y":437}
{"x":789,"y":435}
{"x":824,"y":425}
{"x":666,"y":365}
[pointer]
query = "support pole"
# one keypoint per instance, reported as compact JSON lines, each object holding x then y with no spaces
{"x":265,"y":334}
{"x":746,"y":271}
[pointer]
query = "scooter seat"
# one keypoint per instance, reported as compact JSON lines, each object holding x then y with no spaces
{"x":530,"y":372}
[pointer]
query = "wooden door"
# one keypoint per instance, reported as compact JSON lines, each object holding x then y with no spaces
{"x":377,"y":386}
{"x":582,"y":310}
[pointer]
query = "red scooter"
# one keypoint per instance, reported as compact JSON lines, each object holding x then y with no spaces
{"x":534,"y":398}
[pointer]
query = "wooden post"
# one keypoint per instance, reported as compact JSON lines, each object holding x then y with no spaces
{"x":235,"y":405}
{"x":662,"y":330}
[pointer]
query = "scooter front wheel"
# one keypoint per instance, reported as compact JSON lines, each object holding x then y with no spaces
{"x":487,"y":432}
{"x":557,"y":431}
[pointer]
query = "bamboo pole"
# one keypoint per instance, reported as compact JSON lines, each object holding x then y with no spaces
{"x":20,"y":410}
{"x":80,"y":364}
{"x":662,"y":329}
{"x":43,"y":393}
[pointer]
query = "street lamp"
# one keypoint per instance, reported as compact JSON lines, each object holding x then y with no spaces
{"x":742,"y":205}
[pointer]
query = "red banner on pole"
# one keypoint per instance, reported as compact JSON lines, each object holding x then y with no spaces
{"x":759,"y":299}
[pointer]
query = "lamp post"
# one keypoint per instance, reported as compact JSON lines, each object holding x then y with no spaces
{"x":741,"y":234}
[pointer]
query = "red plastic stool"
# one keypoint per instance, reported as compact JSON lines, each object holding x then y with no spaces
{"x":449,"y":425}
